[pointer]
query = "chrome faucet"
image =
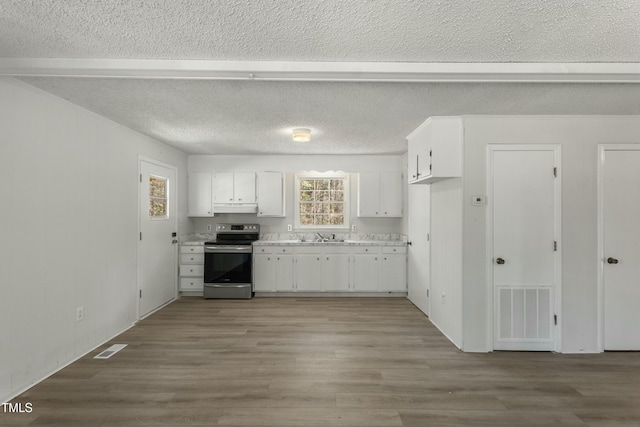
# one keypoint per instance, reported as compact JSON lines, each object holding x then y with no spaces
{"x":322,"y":238}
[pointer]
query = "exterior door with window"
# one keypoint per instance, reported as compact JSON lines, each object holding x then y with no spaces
{"x":157,"y":271}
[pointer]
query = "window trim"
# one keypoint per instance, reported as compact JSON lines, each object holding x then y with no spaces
{"x":322,"y":175}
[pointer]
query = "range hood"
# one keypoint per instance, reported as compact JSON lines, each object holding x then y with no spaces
{"x":235,"y":207}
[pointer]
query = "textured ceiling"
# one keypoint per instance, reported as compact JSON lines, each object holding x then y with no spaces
{"x":250,"y":117}
{"x":331,"y":30}
{"x":235,"y":117}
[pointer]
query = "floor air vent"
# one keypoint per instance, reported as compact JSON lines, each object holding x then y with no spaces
{"x":110,"y":351}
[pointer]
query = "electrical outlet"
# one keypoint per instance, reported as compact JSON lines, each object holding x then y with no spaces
{"x":208,"y":227}
{"x":79,"y":314}
{"x":289,"y":227}
{"x":353,"y":227}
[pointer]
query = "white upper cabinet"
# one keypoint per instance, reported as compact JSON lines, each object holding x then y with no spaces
{"x":270,"y":194}
{"x":380,"y":194}
{"x":435,"y":150}
{"x":234,"y":187}
{"x":199,"y":198}
{"x":244,"y":187}
{"x":223,"y":187}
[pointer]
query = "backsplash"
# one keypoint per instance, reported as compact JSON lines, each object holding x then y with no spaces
{"x":203,"y":237}
{"x":339,"y":236}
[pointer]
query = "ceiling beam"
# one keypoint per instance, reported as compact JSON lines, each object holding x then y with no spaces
{"x":322,"y":71}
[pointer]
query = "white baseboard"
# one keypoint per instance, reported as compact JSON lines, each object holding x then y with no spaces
{"x":13,"y":396}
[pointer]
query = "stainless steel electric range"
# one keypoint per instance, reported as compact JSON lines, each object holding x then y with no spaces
{"x":228,"y":270}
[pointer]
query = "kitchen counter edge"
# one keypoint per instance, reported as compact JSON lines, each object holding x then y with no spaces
{"x":350,"y":243}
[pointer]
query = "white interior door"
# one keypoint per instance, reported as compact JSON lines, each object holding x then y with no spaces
{"x":620,"y":222}
{"x":157,"y":281}
{"x":524,"y":215}
{"x":418,"y":255}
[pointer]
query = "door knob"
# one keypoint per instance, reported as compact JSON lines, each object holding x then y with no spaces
{"x":612,"y":260}
{"x":499,"y":261}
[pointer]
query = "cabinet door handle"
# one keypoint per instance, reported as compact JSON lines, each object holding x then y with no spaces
{"x":612,"y":260}
{"x":500,"y":261}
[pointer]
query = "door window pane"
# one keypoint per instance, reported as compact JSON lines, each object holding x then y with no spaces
{"x":158,"y":202}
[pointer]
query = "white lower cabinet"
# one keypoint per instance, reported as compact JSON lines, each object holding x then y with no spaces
{"x":330,"y":268}
{"x":335,"y":272}
{"x":309,"y":272}
{"x":322,"y":269}
{"x":273,"y":269}
{"x":366,"y":269}
{"x":263,"y":272}
{"x":191,"y":268}
{"x":394,"y":269}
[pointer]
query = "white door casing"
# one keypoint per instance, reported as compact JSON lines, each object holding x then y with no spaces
{"x":418,"y":253}
{"x":523,"y":246}
{"x":618,"y":246}
{"x":157,"y":249}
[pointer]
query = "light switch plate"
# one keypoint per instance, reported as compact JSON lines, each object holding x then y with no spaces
{"x":478,"y":200}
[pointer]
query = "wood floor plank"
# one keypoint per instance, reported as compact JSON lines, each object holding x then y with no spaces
{"x":310,"y":417}
{"x":457,"y":418}
{"x":325,"y":361}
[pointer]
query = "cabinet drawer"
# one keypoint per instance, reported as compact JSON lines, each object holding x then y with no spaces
{"x":309,"y":250}
{"x":337,"y":250}
{"x":191,"y":284}
{"x":193,"y":270}
{"x":282,"y":249}
{"x":262,"y":250}
{"x":394,"y":249}
{"x":189,"y":249}
{"x":366,"y":249}
{"x":191,"y":258}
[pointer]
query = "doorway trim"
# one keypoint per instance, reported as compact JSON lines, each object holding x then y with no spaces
{"x":557,"y":290}
{"x":602,"y":148}
{"x":138,"y":252}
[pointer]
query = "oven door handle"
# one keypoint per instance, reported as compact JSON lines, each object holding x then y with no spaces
{"x":228,"y":249}
{"x":211,"y":285}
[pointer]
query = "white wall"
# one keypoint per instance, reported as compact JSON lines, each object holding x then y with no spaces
{"x":579,"y":137}
{"x":69,"y":224}
{"x":446,"y":258}
{"x":296,"y":163}
{"x":404,"y":226}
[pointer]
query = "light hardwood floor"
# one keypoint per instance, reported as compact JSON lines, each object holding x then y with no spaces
{"x":325,"y":362}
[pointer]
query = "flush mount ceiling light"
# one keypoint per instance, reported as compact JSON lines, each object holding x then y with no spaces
{"x":302,"y":135}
